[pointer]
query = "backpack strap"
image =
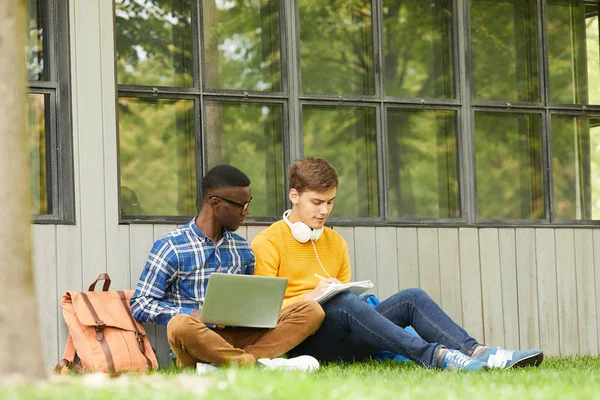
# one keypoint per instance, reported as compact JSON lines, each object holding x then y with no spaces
{"x":100,"y":325}
{"x":138,"y":335}
{"x":69,"y":358}
{"x":102,"y":277}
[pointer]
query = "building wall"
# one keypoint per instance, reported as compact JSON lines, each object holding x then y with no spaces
{"x":513,"y":287}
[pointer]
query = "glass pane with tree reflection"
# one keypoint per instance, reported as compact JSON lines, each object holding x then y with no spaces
{"x":336,"y":47}
{"x":157,"y":161}
{"x":249,"y":137}
{"x":34,"y":47}
{"x":40,"y":202}
{"x":154,"y":42}
{"x":505,"y":50}
{"x":509,"y":166}
{"x":422,"y":164}
{"x":345,"y":136}
{"x":573,"y":51}
{"x":576,"y":167}
{"x":418,"y":48}
{"x":241,"y":45}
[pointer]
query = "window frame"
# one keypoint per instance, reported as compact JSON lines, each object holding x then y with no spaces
{"x":61,"y":188}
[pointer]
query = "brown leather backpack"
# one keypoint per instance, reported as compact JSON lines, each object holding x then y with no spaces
{"x":103,"y":335}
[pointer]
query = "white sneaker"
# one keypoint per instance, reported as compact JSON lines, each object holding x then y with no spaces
{"x":301,"y":363}
{"x":203,"y":368}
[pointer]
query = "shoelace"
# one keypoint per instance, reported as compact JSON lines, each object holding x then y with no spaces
{"x":460,"y":359}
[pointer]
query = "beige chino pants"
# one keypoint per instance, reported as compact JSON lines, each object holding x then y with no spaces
{"x":193,"y":342}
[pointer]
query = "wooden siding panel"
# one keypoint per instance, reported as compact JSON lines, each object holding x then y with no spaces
{"x":44,"y":268}
{"x":243,"y":232}
{"x":470,"y":276}
{"x":527,"y":288}
{"x":347,"y":233}
{"x":586,"y":292}
{"x":408,"y":258}
{"x":69,"y":272}
{"x":567,"y":292}
{"x":429,"y":263}
{"x":508,"y":272}
{"x":86,"y":70}
{"x":253,"y":231}
{"x":366,"y":256}
{"x":141,"y":239}
{"x":491,"y":287}
{"x":596,"y":246}
{"x":118,"y":257}
{"x":547,"y":291}
{"x":450,"y":273}
{"x":387,"y":262}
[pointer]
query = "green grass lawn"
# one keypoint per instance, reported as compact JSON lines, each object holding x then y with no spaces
{"x":556,"y":378}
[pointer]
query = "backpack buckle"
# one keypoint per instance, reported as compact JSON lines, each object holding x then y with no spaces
{"x":100,"y":330}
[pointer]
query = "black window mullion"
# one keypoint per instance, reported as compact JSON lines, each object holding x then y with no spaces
{"x":546,"y":117}
{"x":197,"y":44}
{"x":294,"y":72}
{"x":466,"y":151}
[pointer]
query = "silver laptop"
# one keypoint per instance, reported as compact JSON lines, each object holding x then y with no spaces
{"x":243,"y":300}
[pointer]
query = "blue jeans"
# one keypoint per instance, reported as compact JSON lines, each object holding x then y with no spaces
{"x":353,"y":330}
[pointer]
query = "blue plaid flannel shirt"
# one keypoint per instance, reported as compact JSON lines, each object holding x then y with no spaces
{"x":175,"y":277}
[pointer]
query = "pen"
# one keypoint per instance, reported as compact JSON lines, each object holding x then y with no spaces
{"x":318,"y":276}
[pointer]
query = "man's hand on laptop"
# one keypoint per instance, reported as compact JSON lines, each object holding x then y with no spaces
{"x":196,"y":313}
{"x":320,"y":288}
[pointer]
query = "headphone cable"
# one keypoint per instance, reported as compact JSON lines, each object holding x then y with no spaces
{"x":318,"y":259}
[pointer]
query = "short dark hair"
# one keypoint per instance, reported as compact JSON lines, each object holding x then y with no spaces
{"x":314,"y":174}
{"x":223,"y":176}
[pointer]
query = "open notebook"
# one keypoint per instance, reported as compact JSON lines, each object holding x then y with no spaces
{"x":334,"y":289}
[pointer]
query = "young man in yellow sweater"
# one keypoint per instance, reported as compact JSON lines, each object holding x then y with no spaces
{"x":312,"y":256}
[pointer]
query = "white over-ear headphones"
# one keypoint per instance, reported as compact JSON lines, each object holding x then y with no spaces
{"x":302,"y":232}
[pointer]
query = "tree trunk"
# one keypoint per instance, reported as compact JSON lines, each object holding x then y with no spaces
{"x":20,"y":350}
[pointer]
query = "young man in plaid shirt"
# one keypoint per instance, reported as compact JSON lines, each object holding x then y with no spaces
{"x":172,"y":286}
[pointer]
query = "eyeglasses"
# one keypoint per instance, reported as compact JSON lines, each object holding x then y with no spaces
{"x":244,"y":206}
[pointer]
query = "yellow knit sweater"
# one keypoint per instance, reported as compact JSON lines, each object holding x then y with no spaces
{"x":279,"y":254}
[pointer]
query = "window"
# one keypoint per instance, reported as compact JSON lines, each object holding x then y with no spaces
{"x":504,"y":50}
{"x":418,"y":49}
{"x":422,"y":163}
{"x":502,"y":133}
{"x":49,"y":115}
{"x":509,"y":166}
{"x":576,"y":165}
{"x":573,"y":52}
{"x":349,"y":145}
{"x":336,"y":47}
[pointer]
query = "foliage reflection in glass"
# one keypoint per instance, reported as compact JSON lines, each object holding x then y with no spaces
{"x":573,"y":52}
{"x":157,"y":157}
{"x":509,"y":166}
{"x":241,"y":45}
{"x":154,"y":42}
{"x":34,"y":47}
{"x":249,"y":137}
{"x":422,"y":164}
{"x":345,"y":136}
{"x":504,"y":50}
{"x":336,"y":47}
{"x":418,"y":48}
{"x":576,"y":167}
{"x":37,"y":154}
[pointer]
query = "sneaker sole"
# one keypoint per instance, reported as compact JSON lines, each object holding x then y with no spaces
{"x":532,"y":361}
